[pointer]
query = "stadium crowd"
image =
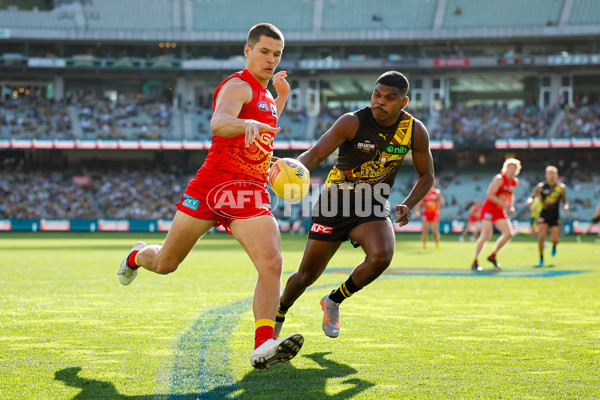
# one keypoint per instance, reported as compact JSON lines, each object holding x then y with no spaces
{"x":135,"y":117}
{"x":134,"y":193}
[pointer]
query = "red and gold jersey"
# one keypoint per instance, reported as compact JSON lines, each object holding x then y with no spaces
{"x":230,"y":154}
{"x":431,"y":201}
{"x":508,"y":187}
{"x":474,"y":213}
{"x":505,"y":191}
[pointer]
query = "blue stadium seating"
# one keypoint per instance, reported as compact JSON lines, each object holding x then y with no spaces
{"x":231,"y":15}
{"x":501,"y":14}
{"x":585,"y":12}
{"x":381,"y":15}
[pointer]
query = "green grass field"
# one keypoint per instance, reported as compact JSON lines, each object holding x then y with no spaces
{"x":69,"y":330}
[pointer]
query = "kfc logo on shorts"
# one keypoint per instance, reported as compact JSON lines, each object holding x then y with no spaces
{"x":262,"y":106}
{"x":318,"y":228}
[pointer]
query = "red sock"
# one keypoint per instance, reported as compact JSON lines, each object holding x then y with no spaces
{"x":493,"y":255}
{"x":131,"y":260}
{"x":475,"y":261}
{"x":262,"y":334}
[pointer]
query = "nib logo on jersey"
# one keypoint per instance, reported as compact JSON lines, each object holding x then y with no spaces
{"x":229,"y":198}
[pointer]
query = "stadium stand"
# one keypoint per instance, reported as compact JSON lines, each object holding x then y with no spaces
{"x":345,"y":15}
{"x":298,"y":15}
{"x":32,"y":117}
{"x":582,"y":121}
{"x":465,"y":14}
{"x":130,"y":14}
{"x":585,"y":12}
{"x":128,"y":118}
{"x":122,"y":192}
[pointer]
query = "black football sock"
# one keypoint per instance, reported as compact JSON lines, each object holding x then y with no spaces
{"x":345,"y":290}
{"x":280,"y":316}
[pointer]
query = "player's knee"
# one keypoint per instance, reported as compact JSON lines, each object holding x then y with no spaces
{"x":165,"y":267}
{"x":380,"y":258}
{"x":306,"y":278}
{"x":271,"y":265}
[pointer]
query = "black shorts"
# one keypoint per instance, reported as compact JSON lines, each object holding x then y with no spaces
{"x":549,"y":218}
{"x":596,"y":219}
{"x":333,"y":224}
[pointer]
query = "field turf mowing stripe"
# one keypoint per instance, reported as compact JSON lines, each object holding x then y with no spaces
{"x":202,"y":360}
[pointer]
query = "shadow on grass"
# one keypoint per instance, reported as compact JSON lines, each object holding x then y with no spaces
{"x":282,"y":381}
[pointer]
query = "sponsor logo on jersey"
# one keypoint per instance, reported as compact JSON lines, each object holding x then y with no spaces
{"x":190,"y":202}
{"x":366,"y":146}
{"x":396,"y":149}
{"x":273,"y":110}
{"x":262,"y":106}
{"x":318,"y":228}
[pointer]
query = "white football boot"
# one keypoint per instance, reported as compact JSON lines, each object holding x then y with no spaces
{"x":273,"y":351}
{"x":127,"y":275}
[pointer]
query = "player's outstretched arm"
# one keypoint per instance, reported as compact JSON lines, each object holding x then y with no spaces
{"x":344,"y":129}
{"x":423,"y":162}
{"x":230,"y":100}
{"x":536,"y":191}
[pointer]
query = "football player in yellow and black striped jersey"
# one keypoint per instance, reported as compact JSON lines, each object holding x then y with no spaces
{"x":372,"y":143}
{"x":551,"y":193}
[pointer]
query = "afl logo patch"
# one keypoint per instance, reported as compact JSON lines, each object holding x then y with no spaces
{"x":262,"y":106}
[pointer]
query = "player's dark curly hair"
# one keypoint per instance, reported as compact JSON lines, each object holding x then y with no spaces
{"x":395,"y":79}
{"x":264,"y":29}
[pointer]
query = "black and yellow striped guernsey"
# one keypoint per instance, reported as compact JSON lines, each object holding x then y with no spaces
{"x":375,"y":153}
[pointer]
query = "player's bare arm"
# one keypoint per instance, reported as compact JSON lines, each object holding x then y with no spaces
{"x":564,"y":198}
{"x":344,"y":129}
{"x":536,"y":192}
{"x":282,"y":87}
{"x":230,"y":100}
{"x":423,"y":162}
{"x":493,"y":188}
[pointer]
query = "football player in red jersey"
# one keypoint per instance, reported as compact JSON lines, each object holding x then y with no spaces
{"x":244,"y":125}
{"x":472,"y":224}
{"x":499,"y":198}
{"x":432,"y":208}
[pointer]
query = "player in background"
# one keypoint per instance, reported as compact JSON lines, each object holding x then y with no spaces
{"x":595,"y":220}
{"x":535,"y":209}
{"x":372,"y":143}
{"x":244,"y":124}
{"x":472,"y":224}
{"x":550,"y":192}
{"x":432,"y":205}
{"x":499,"y":198}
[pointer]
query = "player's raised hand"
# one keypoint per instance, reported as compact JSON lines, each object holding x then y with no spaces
{"x":281,"y":84}
{"x":254,"y":128}
{"x":403,"y":214}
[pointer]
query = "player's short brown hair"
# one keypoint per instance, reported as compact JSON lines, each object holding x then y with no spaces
{"x":263,"y":29}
